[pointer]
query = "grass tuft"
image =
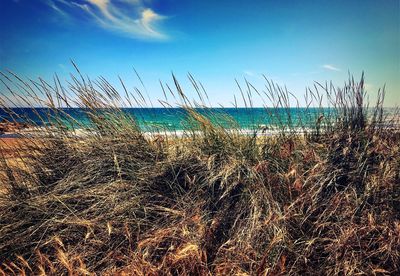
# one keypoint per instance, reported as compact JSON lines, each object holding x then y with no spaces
{"x":320,"y":196}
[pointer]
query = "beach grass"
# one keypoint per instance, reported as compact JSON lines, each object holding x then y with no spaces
{"x":212,"y":201}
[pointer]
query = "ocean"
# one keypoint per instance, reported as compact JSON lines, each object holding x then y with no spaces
{"x":177,"y":119}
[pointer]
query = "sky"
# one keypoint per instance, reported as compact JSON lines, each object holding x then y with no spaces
{"x":293,"y":43}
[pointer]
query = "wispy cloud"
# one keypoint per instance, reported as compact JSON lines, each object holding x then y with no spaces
{"x":132,"y":18}
{"x":331,"y":67}
{"x":249,"y":73}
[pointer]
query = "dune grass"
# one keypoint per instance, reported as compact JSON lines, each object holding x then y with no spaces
{"x":211,"y":202}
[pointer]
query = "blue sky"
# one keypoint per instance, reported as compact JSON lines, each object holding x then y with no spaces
{"x":291,"y":42}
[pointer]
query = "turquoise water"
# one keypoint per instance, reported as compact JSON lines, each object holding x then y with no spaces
{"x":154,"y":119}
{"x":173,"y":119}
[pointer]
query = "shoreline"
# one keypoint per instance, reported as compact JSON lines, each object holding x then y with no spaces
{"x":81,"y":133}
{"x":40,"y":132}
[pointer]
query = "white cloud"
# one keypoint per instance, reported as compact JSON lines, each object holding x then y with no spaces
{"x":249,"y":73}
{"x":101,"y":4}
{"x":331,"y":67}
{"x":132,"y":18}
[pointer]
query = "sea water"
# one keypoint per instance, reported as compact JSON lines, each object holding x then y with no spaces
{"x":177,"y":119}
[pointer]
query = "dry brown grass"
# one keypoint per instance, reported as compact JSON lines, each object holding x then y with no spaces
{"x":212,"y":203}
